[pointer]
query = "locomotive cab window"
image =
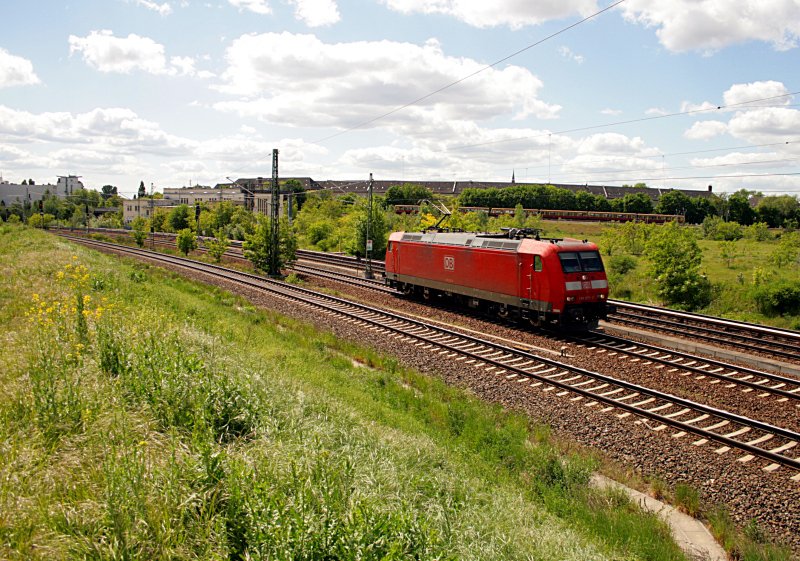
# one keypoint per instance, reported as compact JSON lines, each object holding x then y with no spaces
{"x":537,"y":263}
{"x":580,"y":261}
{"x":590,"y":261}
{"x":569,"y":262}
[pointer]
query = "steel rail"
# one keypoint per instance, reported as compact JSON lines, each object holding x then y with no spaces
{"x":709,"y":334}
{"x":381,"y":323}
{"x":720,"y":322}
{"x":734,"y":369}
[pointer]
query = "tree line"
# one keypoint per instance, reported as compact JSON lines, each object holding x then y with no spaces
{"x":743,"y":207}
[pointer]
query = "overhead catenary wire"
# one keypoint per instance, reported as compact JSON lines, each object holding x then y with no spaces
{"x":467,"y":77}
{"x":619,"y":123}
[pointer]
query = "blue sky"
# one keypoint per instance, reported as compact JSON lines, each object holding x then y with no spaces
{"x":180,"y":92}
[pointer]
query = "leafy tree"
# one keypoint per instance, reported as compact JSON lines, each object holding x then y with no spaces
{"x":108,"y":190}
{"x":31,"y":182}
{"x":83,"y":197}
{"x":139,"y":230}
{"x":378,"y":232}
{"x":218,"y":245}
{"x":37,"y":220}
{"x":406,"y":194}
{"x":639,"y":203}
{"x":295,"y":187}
{"x":628,"y":237}
{"x":584,"y":200}
{"x":621,"y":264}
{"x":257,"y":245}
{"x":715,"y":228}
{"x":739,"y":209}
{"x":179,"y":218}
{"x":758,"y":231}
{"x":694,"y":209}
{"x":780,"y":299}
{"x":675,"y":260}
{"x":729,"y":252}
{"x":788,"y":250}
{"x":519,"y":216}
{"x":159,"y":219}
{"x":115,"y":200}
{"x":777,"y":210}
{"x":142,"y":191}
{"x":186,"y":241}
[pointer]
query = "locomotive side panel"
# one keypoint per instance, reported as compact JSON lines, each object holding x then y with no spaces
{"x":486,"y":274}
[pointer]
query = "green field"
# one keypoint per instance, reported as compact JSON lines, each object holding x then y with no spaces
{"x":143,"y":416}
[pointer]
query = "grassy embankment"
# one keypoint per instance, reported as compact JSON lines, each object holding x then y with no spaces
{"x":733,"y":280}
{"x":145,"y":416}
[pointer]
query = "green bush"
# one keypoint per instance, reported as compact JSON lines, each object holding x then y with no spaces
{"x":714,"y":228}
{"x":758,"y":232}
{"x":622,"y":264}
{"x":779,"y":299}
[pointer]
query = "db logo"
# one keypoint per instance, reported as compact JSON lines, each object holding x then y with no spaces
{"x":449,"y":263}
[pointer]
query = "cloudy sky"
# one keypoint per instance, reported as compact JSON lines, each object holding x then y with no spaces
{"x":685,"y":93}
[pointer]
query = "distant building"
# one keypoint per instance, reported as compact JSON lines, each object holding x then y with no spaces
{"x":11,"y":193}
{"x":131,"y":208}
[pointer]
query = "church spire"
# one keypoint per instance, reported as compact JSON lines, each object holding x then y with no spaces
{"x":513,"y":179}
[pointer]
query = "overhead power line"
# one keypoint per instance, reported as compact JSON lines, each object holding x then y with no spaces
{"x":618,"y":123}
{"x":467,"y":77}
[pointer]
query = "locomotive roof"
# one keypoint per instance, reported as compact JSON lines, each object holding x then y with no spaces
{"x":473,"y":239}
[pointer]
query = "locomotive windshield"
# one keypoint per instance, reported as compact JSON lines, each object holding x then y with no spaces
{"x":580,"y":261}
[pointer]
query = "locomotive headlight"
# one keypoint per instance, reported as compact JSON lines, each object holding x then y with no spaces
{"x":602,"y":297}
{"x":570,"y":298}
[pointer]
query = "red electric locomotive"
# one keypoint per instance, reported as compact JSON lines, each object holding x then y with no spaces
{"x":515,"y":274}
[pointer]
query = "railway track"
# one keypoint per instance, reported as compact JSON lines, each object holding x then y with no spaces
{"x":765,"y":384}
{"x":748,"y":439}
{"x":781,"y":343}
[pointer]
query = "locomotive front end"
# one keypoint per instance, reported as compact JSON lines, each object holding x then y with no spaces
{"x":585,"y":285}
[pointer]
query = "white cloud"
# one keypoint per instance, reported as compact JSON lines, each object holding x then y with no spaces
{"x":114,"y":128}
{"x":256,"y":6}
{"x":704,"y":130}
{"x":512,"y":13}
{"x":688,"y":106}
{"x":709,"y":25}
{"x":116,"y":142}
{"x":299,"y":80}
{"x":16,"y":71}
{"x":567,"y":53}
{"x":614,"y":143}
{"x":316,"y":13}
{"x":612,"y":112}
{"x":740,"y":94}
{"x":768,"y":124}
{"x":656,"y":112}
{"x":163,"y":9}
{"x":751,"y":159}
{"x":106,"y":53}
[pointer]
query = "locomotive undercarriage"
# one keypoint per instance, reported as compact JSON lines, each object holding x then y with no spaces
{"x":582,"y":316}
